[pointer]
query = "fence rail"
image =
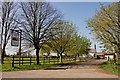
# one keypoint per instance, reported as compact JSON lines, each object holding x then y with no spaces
{"x":32,"y":60}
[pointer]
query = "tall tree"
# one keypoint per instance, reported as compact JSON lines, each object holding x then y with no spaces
{"x":8,"y":16}
{"x":38,"y":20}
{"x":45,"y":49}
{"x":62,"y":41}
{"x":106,"y":27}
{"x":80,"y":45}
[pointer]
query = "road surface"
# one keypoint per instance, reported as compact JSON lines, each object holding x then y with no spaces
{"x":80,"y":70}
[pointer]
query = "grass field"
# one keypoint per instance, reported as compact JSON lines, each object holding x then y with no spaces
{"x":26,"y":61}
{"x":111,"y":67}
{"x":7,"y":67}
{"x":44,"y":63}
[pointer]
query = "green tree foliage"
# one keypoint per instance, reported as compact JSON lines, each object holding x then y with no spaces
{"x":61,"y":42}
{"x":45,"y":49}
{"x":67,"y":41}
{"x":80,"y":45}
{"x":106,"y":27}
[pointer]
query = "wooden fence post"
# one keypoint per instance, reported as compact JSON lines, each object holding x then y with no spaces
{"x":49,"y":59}
{"x":43,"y":60}
{"x":13,"y":61}
{"x":19,"y":60}
{"x":75,"y":58}
{"x":108,"y":58}
{"x":53,"y":60}
{"x":57,"y":59}
{"x":30,"y":60}
{"x":22,"y":60}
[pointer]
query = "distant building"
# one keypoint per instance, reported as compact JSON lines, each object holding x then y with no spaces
{"x":52,"y":54}
{"x":100,"y":55}
{"x":110,"y":56}
{"x":26,"y":54}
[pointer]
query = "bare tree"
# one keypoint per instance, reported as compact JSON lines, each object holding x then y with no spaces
{"x":9,"y":10}
{"x":38,"y":21}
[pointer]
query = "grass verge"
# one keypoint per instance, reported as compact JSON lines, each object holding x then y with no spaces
{"x":111,"y":67}
{"x":7,"y":67}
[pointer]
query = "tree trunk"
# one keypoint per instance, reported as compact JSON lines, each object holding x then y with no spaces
{"x":114,"y":58}
{"x":61,"y":57}
{"x":37,"y":56}
{"x":118,"y":55}
{"x":3,"y":55}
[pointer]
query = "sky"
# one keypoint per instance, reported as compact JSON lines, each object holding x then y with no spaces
{"x":75,"y":12}
{"x":78,"y":13}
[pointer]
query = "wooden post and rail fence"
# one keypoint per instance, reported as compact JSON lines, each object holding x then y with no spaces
{"x":32,"y":60}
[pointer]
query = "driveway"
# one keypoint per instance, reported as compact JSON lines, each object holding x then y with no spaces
{"x":80,"y":70}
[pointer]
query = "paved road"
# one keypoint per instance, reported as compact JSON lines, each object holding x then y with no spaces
{"x":80,"y":70}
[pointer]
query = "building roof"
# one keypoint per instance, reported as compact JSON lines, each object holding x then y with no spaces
{"x":109,"y":54}
{"x":92,"y":51}
{"x":100,"y":53}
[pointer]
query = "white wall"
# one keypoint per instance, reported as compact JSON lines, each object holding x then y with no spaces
{"x":91,"y":54}
{"x":111,"y":57}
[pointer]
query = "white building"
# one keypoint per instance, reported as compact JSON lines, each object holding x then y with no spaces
{"x":52,"y":54}
{"x":109,"y":56}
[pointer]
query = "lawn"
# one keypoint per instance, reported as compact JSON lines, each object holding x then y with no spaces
{"x":111,"y":67}
{"x":7,"y":66}
{"x":44,"y":63}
